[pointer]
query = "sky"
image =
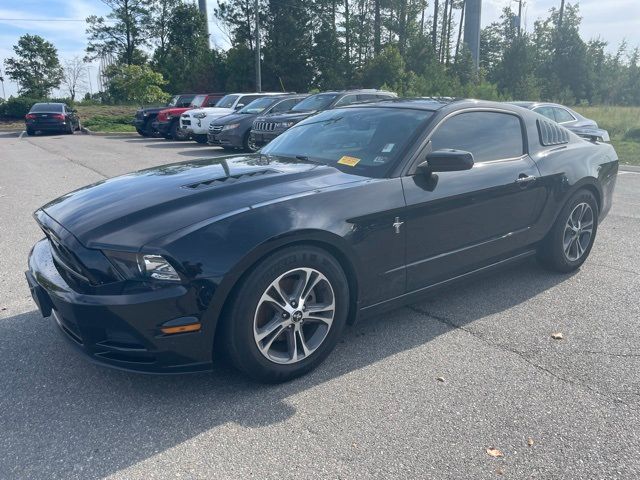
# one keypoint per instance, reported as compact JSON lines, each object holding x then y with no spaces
{"x":63,"y":25}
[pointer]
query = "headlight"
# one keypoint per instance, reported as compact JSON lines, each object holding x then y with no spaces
{"x":144,"y":114}
{"x":138,"y":266}
{"x":231,"y":126}
{"x":169,"y":117}
{"x":200,"y":115}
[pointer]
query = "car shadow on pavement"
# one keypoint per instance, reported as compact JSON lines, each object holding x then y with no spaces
{"x":175,"y":144}
{"x":65,"y":417}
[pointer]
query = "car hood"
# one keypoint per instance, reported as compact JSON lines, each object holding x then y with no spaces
{"x":131,"y":210}
{"x":150,"y":110}
{"x":234,"y":118}
{"x":287,"y":117}
{"x":212,"y":111}
{"x":174,"y":111}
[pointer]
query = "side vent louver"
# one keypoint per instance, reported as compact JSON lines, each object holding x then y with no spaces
{"x":227,"y":180}
{"x":552,"y":134}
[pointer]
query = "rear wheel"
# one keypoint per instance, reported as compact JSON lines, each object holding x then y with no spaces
{"x":287,"y":315}
{"x":69,"y":130}
{"x":571,"y":238}
{"x":31,"y":132}
{"x":141,"y":132}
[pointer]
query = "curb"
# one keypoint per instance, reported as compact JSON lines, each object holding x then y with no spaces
{"x":86,"y":131}
{"x":629,"y":168}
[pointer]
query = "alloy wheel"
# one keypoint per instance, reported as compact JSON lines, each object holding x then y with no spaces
{"x":578,"y":232}
{"x":294,"y":316}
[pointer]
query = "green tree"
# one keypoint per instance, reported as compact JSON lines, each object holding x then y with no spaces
{"x":124,"y":33}
{"x":35,"y":68}
{"x":135,"y":83}
{"x":188,"y":63}
{"x":286,"y":63}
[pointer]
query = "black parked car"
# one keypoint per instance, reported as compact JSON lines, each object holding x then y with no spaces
{"x":266,"y":129}
{"x":353,"y":211}
{"x":578,"y":124}
{"x":233,"y":131}
{"x":144,"y":118}
{"x":51,"y":117}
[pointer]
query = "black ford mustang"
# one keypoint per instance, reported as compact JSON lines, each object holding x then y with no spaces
{"x":352,"y":211}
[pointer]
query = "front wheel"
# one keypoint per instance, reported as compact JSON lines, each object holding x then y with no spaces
{"x":178,"y":133}
{"x":571,"y":238}
{"x":248,"y":144}
{"x":287,"y":315}
{"x":200,"y":138}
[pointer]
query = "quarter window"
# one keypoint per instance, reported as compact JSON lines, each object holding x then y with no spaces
{"x":347,"y":100}
{"x":487,"y":135}
{"x":562,"y":116}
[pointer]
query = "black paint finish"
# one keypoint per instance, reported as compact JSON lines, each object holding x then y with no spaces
{"x":214,"y":219}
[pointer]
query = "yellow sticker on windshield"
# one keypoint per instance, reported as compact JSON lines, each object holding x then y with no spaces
{"x":350,"y":161}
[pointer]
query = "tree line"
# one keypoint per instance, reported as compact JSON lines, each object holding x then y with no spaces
{"x":413,"y":47}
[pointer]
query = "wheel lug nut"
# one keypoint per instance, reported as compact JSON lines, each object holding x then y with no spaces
{"x":285,"y":315}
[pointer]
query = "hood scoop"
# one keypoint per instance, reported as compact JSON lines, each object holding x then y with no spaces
{"x":229,"y":179}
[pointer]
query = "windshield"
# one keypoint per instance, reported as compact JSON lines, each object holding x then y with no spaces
{"x":227,"y":101}
{"x":315,"y":102}
{"x":198,"y":100}
{"x":47,"y":107}
{"x":258,"y":105}
{"x":363,"y":141}
{"x":173,"y":101}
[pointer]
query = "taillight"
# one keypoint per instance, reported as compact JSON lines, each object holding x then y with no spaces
{"x":58,"y":116}
{"x":30,"y":116}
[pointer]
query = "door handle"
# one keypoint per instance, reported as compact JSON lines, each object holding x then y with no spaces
{"x":525,"y":179}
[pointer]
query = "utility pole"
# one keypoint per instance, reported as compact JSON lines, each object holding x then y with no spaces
{"x":473,"y":9}
{"x":4,"y":95}
{"x":520,"y":19}
{"x":89,"y":77}
{"x":202,"y":6}
{"x":258,"y":72}
{"x":561,"y":14}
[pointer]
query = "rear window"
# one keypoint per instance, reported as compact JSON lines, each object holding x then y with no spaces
{"x":47,"y":108}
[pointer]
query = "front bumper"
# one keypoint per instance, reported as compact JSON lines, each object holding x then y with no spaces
{"x":262,"y":138}
{"x":122,"y":331}
{"x":226,"y":138}
{"x":162,"y":127}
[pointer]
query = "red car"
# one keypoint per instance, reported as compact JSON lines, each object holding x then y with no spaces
{"x":168,"y":120}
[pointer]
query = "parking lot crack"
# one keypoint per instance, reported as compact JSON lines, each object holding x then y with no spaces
{"x":75,"y":162}
{"x":568,"y":380}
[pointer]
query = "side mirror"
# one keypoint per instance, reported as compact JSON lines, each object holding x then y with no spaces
{"x":446,"y":161}
{"x":239,"y":106}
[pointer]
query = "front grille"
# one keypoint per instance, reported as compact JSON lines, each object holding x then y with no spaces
{"x":264,"y":126}
{"x":216,"y":128}
{"x":64,"y":259}
{"x":186,"y":122}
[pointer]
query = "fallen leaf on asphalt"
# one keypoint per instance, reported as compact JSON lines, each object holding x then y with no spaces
{"x":530,"y":442}
{"x":440,"y":379}
{"x":494,"y":452}
{"x":557,"y":336}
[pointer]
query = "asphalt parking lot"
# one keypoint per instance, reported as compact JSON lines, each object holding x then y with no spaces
{"x":421,"y":392}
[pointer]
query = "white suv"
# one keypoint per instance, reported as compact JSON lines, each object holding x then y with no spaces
{"x":196,"y":122}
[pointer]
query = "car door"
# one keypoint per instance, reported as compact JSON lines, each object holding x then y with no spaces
{"x":459,"y":221}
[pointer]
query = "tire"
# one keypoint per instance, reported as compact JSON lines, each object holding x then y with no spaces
{"x":569,"y":242}
{"x":69,"y":130}
{"x":200,"y":138}
{"x":176,"y":132}
{"x":248,"y":145}
{"x":280,"y":358}
{"x":31,"y":132}
{"x":142,"y":133}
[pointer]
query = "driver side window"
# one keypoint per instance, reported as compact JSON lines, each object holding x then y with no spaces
{"x":487,"y":135}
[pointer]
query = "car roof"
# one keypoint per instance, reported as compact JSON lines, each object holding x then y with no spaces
{"x":435,"y":104}
{"x":49,"y":103}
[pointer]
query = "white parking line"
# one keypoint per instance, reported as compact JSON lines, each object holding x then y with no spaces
{"x":625,"y":172}
{"x":22,"y":133}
